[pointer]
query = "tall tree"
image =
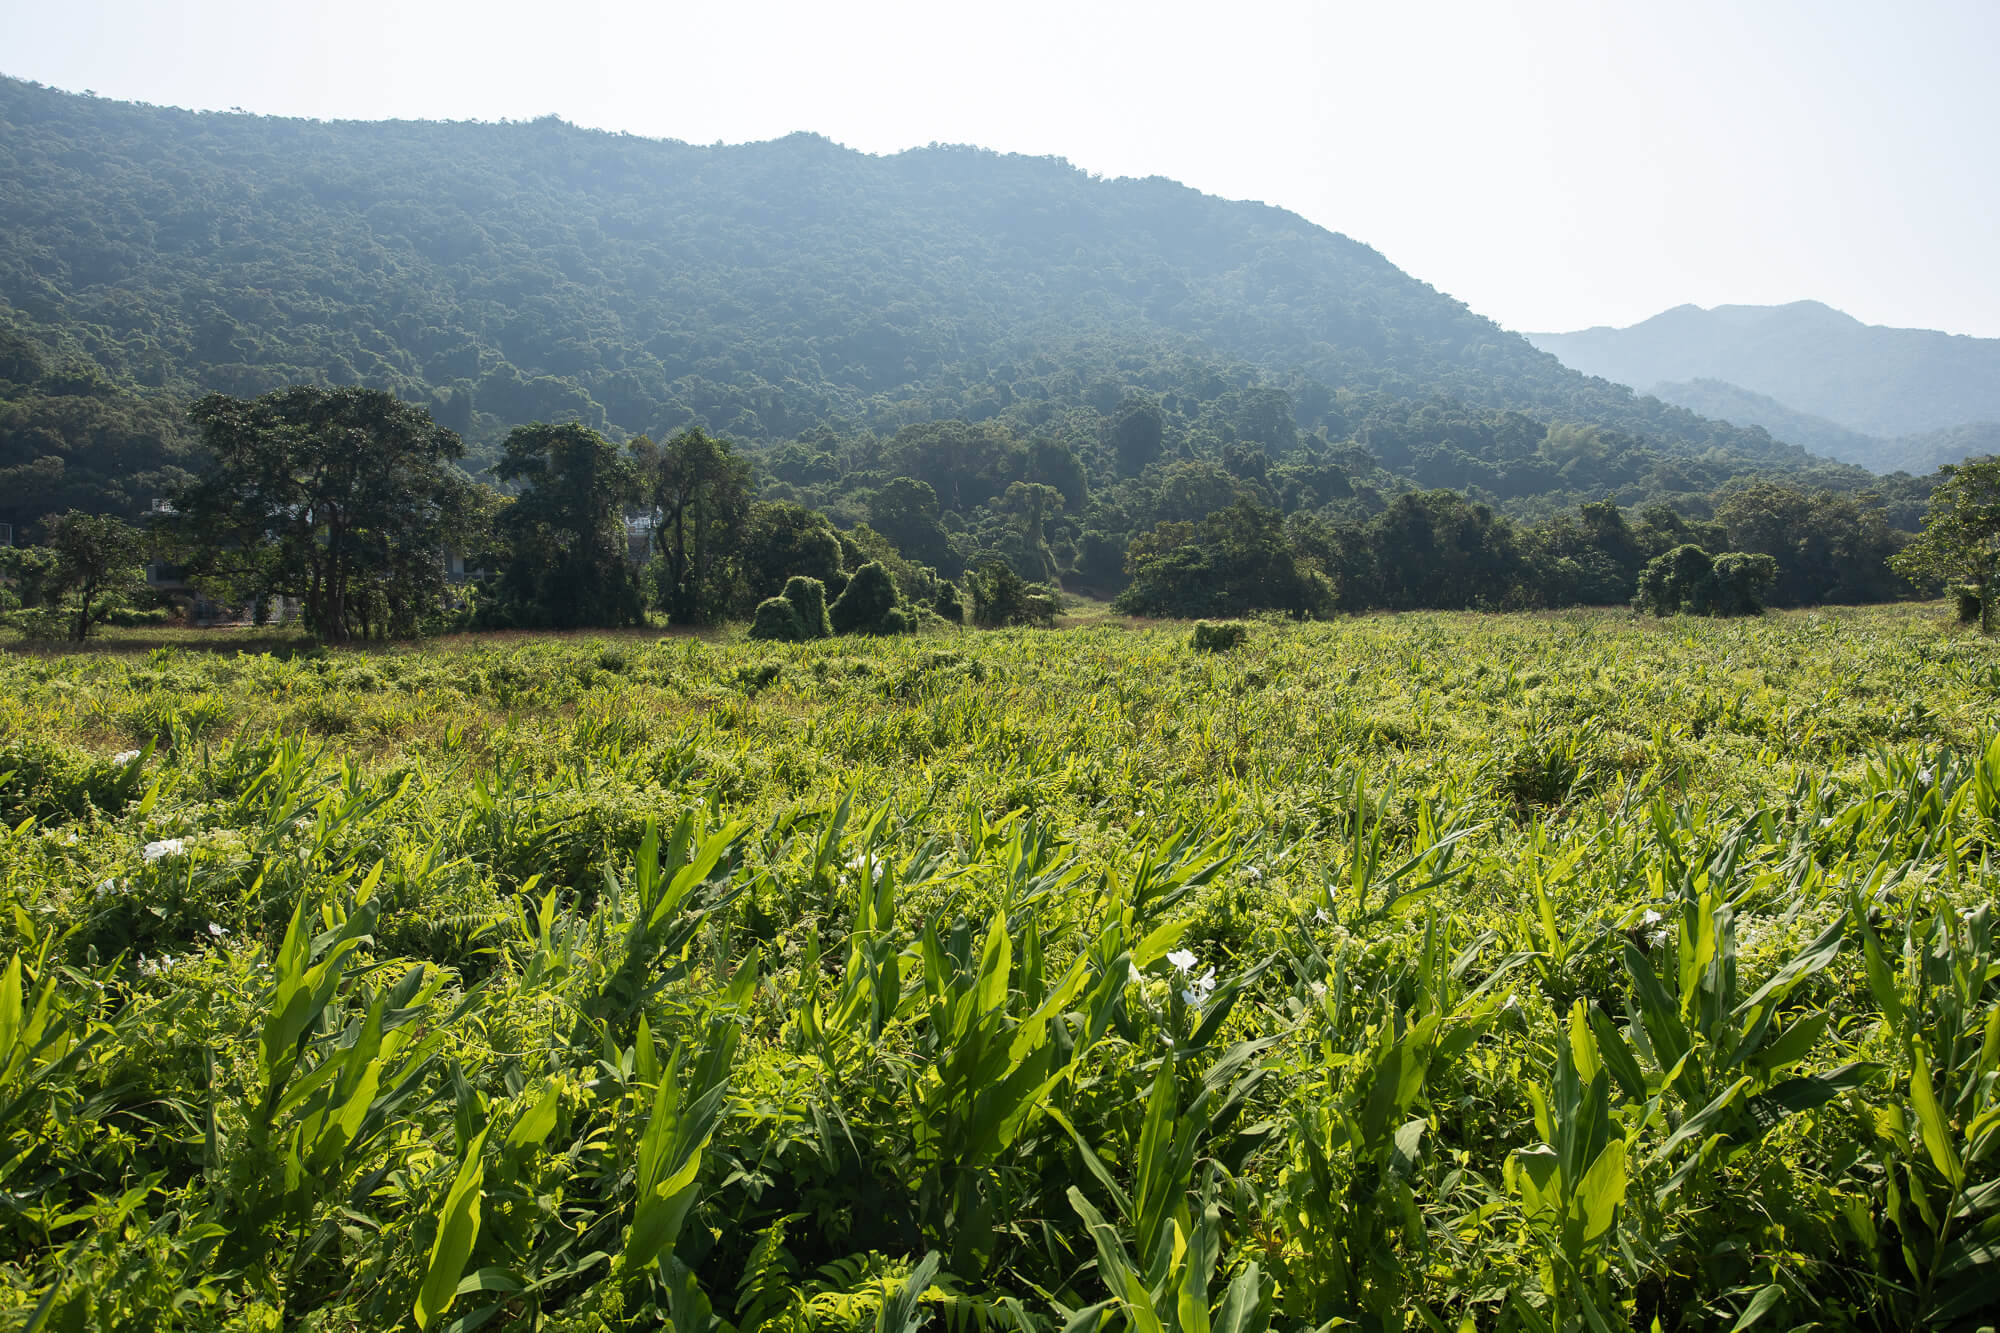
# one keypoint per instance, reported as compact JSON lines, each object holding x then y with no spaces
{"x":1137,"y":432}
{"x":99,"y":566}
{"x":1438,"y":549}
{"x":1830,"y":546}
{"x":700,"y":487}
{"x":963,"y":462}
{"x":567,"y":563}
{"x":1235,"y":560}
{"x":1960,"y":542}
{"x":1027,"y":546}
{"x":906,"y":512}
{"x":343,"y":498}
{"x":782,"y":541}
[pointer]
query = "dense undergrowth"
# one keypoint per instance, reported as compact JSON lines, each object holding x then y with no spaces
{"x":1565,"y":972}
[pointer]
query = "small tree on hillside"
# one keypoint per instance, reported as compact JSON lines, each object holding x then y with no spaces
{"x":1960,"y":542}
{"x":100,"y":566}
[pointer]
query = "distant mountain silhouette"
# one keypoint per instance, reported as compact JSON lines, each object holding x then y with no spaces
{"x":1813,"y":359}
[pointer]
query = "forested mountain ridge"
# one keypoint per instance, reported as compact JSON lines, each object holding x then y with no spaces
{"x":1884,"y":382}
{"x":502,"y":273}
{"x":1918,"y":454}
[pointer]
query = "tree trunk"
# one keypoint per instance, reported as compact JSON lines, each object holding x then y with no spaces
{"x":677,"y":567}
{"x":82,"y":631}
{"x":336,"y":585}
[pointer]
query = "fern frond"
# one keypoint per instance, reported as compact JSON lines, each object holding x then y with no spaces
{"x":766,"y":1289}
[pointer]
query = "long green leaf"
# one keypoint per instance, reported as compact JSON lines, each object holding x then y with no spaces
{"x":458,"y":1230}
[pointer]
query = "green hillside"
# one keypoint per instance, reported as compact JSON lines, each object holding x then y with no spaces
{"x":1889,"y":383}
{"x":1731,"y":402}
{"x":502,"y":273}
{"x":1919,"y":453}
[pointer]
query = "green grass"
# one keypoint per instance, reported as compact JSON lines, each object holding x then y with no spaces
{"x":1562,"y":971}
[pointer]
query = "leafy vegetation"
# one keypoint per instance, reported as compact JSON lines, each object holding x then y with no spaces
{"x":794,"y":615}
{"x":1545,"y":972}
{"x":345,"y":499}
{"x":1687,"y":580}
{"x":1960,"y":543}
{"x":947,"y":315}
{"x":90,"y":571}
{"x":349,"y":501}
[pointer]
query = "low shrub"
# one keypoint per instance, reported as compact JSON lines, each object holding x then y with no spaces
{"x":1218,"y":636}
{"x":869,"y":604}
{"x":778,"y":620}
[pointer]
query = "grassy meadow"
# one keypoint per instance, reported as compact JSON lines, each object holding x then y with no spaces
{"x":1432,"y":971}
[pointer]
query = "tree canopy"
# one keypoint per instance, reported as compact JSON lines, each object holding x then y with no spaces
{"x":345,"y":499}
{"x":566,"y":562}
{"x":985,"y":315}
{"x":1960,"y":542}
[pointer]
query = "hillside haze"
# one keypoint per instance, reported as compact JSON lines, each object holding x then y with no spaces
{"x":1879,"y":396}
{"x":1916,"y":454}
{"x":502,"y":273}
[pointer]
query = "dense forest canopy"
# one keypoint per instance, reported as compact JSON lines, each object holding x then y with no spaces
{"x":771,"y":293}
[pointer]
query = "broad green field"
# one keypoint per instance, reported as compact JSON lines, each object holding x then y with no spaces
{"x":1431,"y":972}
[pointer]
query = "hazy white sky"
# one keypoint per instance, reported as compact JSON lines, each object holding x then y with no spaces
{"x":1553,"y":164}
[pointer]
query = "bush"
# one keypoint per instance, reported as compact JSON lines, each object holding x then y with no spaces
{"x":947,"y":605}
{"x":41,"y":624}
{"x":1742,"y":581}
{"x":1001,"y":597}
{"x":1688,"y":581}
{"x":865,"y":604}
{"x":795,"y":615}
{"x":808,"y":597}
{"x":1210,"y":637}
{"x":1967,"y":604}
{"x":1676,"y":582}
{"x":779,"y":620}
{"x":152,"y":617}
